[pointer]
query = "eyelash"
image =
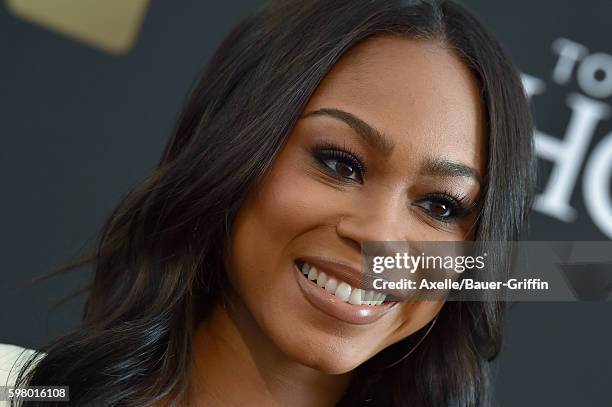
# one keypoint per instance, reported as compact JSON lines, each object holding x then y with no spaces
{"x":457,"y":204}
{"x":331,"y":151}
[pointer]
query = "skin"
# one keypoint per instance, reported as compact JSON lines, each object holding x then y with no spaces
{"x":268,"y":345}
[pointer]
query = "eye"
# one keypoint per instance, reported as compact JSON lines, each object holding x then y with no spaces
{"x":341,"y":164}
{"x":443,"y":207}
{"x":344,"y":169}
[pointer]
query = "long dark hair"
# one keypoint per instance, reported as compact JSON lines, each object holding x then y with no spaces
{"x":158,"y":265}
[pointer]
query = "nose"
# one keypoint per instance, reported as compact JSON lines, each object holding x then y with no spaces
{"x":382,"y":218}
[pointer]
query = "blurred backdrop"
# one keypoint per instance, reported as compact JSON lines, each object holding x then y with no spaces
{"x":90,"y":89}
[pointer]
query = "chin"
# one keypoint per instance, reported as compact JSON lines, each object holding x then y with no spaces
{"x":331,"y":355}
{"x":332,"y":363}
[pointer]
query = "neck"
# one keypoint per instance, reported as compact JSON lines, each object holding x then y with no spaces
{"x":235,"y":363}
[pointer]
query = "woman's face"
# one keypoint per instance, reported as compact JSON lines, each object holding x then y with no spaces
{"x":390,"y":147}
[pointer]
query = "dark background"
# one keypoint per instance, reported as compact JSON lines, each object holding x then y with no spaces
{"x":80,"y":126}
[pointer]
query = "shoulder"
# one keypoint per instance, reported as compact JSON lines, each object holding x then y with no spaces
{"x":12,"y":358}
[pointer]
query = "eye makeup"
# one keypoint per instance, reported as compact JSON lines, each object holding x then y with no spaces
{"x":445,"y":206}
{"x":346,"y":165}
{"x":340,"y":161}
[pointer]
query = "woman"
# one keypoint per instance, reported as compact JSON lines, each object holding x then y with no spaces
{"x":318,"y":125}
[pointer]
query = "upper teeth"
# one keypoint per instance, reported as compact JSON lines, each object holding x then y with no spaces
{"x":342,"y":290}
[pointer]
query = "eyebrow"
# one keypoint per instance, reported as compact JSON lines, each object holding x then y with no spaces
{"x":447,"y":168}
{"x":373,"y":137}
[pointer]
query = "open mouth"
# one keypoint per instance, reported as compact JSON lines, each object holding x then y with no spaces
{"x":342,"y":290}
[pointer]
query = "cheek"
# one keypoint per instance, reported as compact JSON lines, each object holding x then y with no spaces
{"x":288,"y":203}
{"x":285,"y":205}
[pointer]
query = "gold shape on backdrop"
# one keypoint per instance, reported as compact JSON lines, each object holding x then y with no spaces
{"x":109,"y":25}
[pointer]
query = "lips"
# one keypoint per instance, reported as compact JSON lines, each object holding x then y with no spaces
{"x":331,"y":287}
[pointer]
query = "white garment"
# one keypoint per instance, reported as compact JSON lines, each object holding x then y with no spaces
{"x":12,"y":358}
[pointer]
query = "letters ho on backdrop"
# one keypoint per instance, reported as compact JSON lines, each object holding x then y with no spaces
{"x":589,"y":111}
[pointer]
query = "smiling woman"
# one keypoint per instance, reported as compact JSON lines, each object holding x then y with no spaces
{"x":231,"y":275}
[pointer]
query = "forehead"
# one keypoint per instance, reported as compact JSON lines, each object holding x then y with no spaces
{"x":417,"y":92}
